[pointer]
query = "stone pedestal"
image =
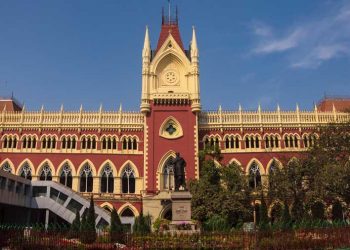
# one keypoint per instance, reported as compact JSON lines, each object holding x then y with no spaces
{"x":181,"y":206}
{"x":181,"y":213}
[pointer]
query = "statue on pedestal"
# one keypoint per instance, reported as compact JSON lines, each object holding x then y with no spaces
{"x":179,"y":172}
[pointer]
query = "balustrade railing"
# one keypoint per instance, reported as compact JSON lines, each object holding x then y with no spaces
{"x":270,"y":118}
{"x":70,"y":119}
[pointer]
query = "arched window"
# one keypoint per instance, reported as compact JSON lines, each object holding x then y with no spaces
{"x":64,"y":142}
{"x":26,"y":172}
{"x":107,"y":181}
{"x":6,"y":167}
{"x":128,"y":180}
{"x":104,"y":143}
{"x":24,"y":142}
{"x":125,"y":144}
{"x":168,"y":174}
{"x":66,"y":176}
{"x":127,"y":212}
{"x":5,"y":142}
{"x":254,"y":176}
{"x":46,"y":174}
{"x":83,"y":143}
{"x":43,"y":144}
{"x":134,"y":144}
{"x":86,"y":181}
{"x":114,"y":144}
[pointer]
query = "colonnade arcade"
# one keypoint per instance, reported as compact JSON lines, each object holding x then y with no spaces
{"x":85,"y":179}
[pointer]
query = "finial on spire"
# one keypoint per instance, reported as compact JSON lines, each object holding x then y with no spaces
{"x":146,"y":51}
{"x":194,"y":46}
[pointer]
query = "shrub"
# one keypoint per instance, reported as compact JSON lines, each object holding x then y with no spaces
{"x":142,"y":224}
{"x":75,"y":226}
{"x":116,"y":229}
{"x":88,"y":227}
{"x":337,"y":211}
{"x":216,"y":223}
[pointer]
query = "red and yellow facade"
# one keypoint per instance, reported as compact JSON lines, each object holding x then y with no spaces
{"x":121,"y":158}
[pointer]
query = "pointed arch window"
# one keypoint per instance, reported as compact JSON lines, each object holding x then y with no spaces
{"x":107,"y":180}
{"x":128,"y":180}
{"x":66,"y":176}
{"x":26,"y":172}
{"x":127,"y":212}
{"x":86,"y":181}
{"x":46,"y":174}
{"x":168,"y":175}
{"x":254,"y":176}
{"x":6,"y":167}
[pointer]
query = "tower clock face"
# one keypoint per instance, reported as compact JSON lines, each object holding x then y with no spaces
{"x":171,"y":77}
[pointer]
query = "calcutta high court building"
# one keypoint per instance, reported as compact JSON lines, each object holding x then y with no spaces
{"x":124,"y":159}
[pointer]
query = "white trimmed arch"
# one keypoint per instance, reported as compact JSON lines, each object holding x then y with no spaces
{"x":30,"y":164}
{"x":163,"y":160}
{"x":258,"y":163}
{"x":42,"y":164}
{"x":107,"y":204}
{"x":278,"y":164}
{"x":234,"y":160}
{"x":71,"y":165}
{"x":111,"y":164}
{"x":7,"y":160}
{"x":132,"y":165}
{"x":93,"y":169}
{"x":130,"y":206}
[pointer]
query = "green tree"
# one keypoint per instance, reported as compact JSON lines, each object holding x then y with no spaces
{"x":286,"y":219}
{"x":142,"y":224}
{"x":88,"y":232}
{"x":75,"y":226}
{"x":337,"y":211}
{"x":264,"y":218}
{"x":116,"y":229}
{"x":221,"y":191}
{"x":317,"y":211}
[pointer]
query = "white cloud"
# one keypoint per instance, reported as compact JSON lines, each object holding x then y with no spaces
{"x":279,"y":45}
{"x":310,"y":43}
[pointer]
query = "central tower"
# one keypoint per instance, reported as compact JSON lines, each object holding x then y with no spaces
{"x":170,"y":102}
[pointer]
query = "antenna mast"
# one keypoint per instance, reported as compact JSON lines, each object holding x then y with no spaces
{"x":169,"y":10}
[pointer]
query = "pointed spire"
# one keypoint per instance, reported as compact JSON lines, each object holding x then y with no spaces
{"x":147,"y":45}
{"x":220,"y":108}
{"x":23,"y":108}
{"x":333,"y":108}
{"x":278,"y":107}
{"x":259,"y":108}
{"x":101,"y":108}
{"x":297,"y":107}
{"x":239,"y":107}
{"x":315,"y":107}
{"x":42,"y":108}
{"x":194,"y":46}
{"x":81,"y":108}
{"x":61,"y":108}
{"x":120,"y":108}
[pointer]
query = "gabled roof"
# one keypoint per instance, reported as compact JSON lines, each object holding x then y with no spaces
{"x":169,"y":28}
{"x":9,"y":104}
{"x":340,"y":104}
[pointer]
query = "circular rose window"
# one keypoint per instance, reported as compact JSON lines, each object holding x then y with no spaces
{"x":171,"y":77}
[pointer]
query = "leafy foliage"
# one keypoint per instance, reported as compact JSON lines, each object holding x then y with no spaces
{"x":88,"y":227}
{"x":337,"y":211}
{"x":220,"y":191}
{"x":116,"y":227}
{"x":142,"y":224}
{"x":75,"y":226}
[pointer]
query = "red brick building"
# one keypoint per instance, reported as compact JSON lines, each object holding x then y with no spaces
{"x":122,"y":158}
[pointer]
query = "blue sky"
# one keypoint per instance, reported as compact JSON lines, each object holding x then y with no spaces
{"x":89,"y":52}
